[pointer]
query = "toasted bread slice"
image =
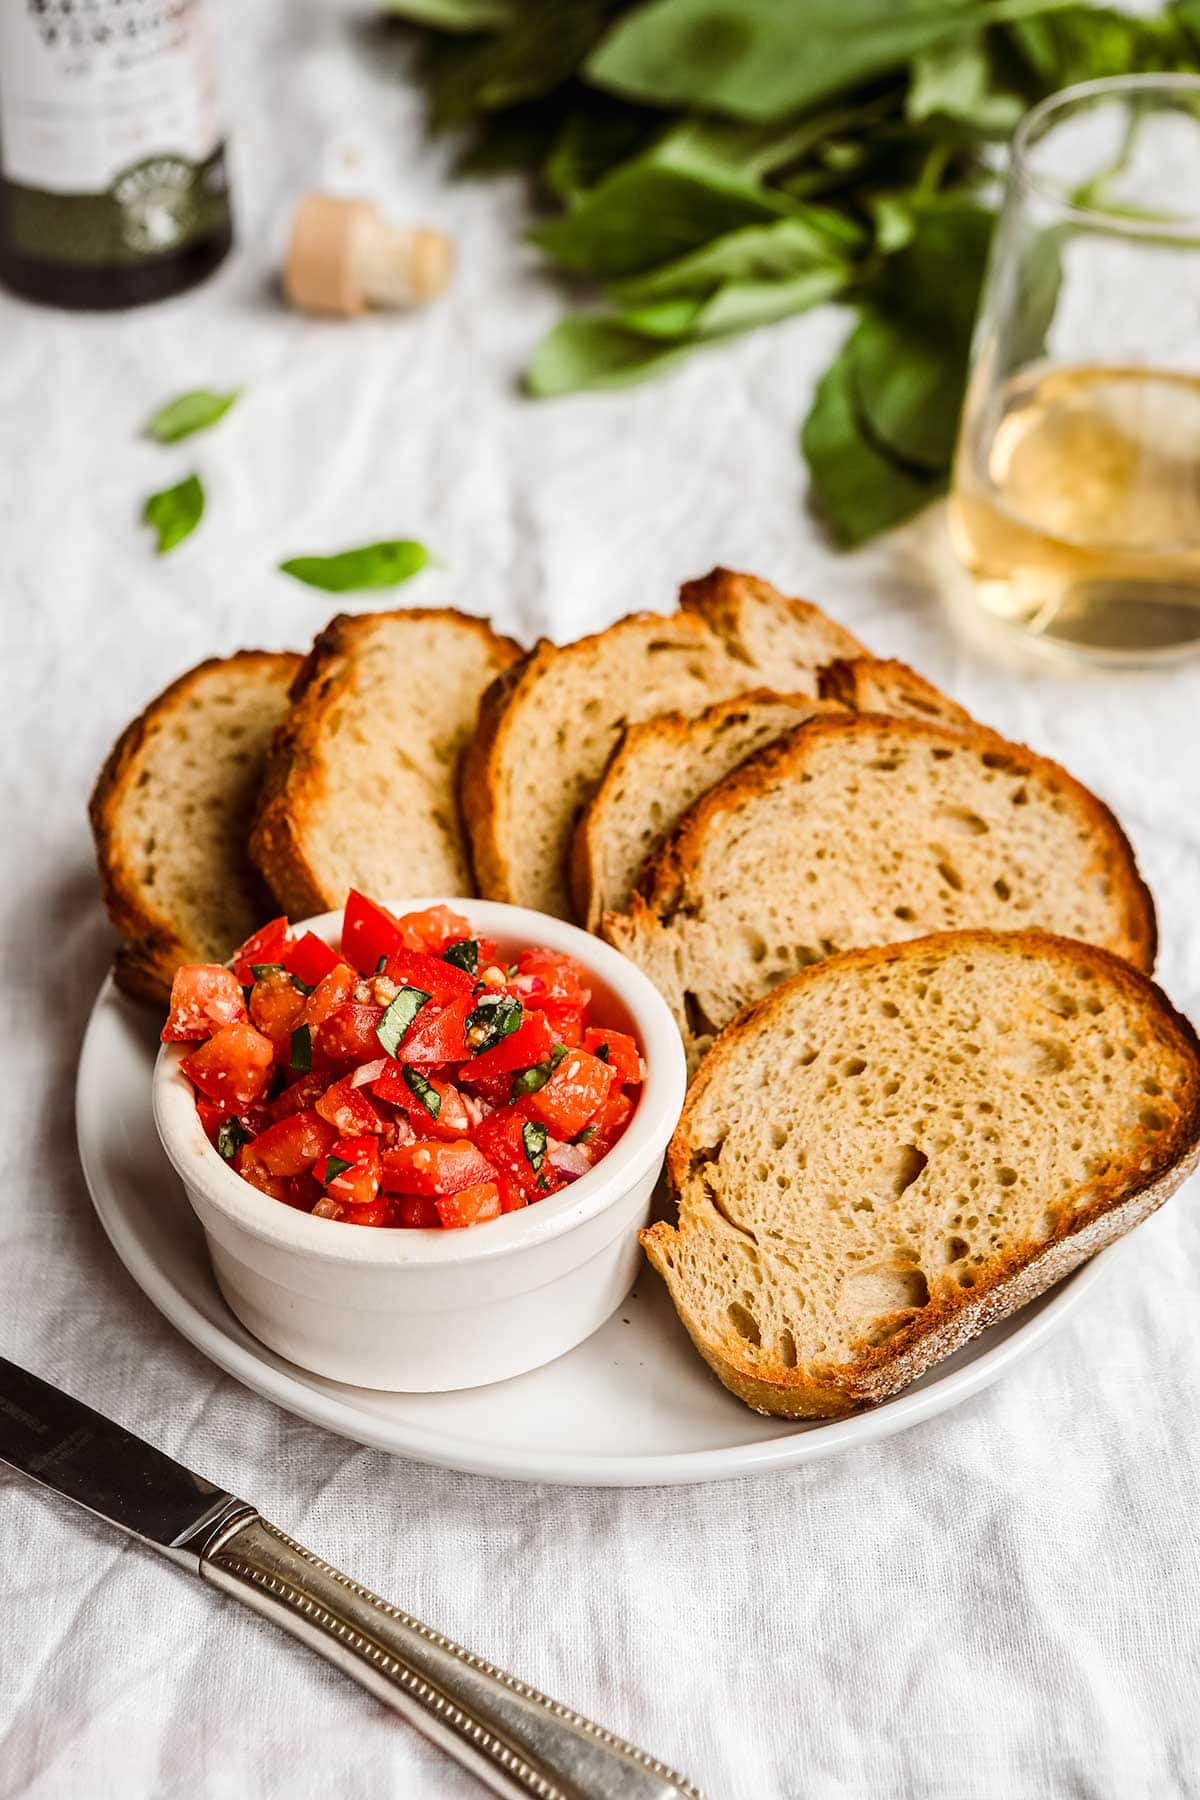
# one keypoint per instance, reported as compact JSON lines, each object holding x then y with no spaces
{"x":360,"y":785}
{"x":865,"y":830}
{"x":170,"y":813}
{"x":782,"y":639}
{"x":548,"y":728}
{"x":657,"y":770}
{"x":901,"y":1146}
{"x":883,"y":685}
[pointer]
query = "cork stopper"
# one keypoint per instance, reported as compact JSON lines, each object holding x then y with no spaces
{"x":344,"y":258}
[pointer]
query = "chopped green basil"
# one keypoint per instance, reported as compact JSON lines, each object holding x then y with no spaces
{"x":381,"y":965}
{"x":175,"y":512}
{"x":231,"y":1137}
{"x":258,"y":970}
{"x":601,"y":1051}
{"x":584,"y":1136}
{"x":424,"y":1090}
{"x":334,"y":1166}
{"x":398,"y":1017}
{"x":302,"y":1049}
{"x":511,"y":970}
{"x":533,"y":1136}
{"x":382,"y":565}
{"x":463,"y":955}
{"x":492,"y":1020}
{"x":194,"y":411}
{"x":530,"y":1080}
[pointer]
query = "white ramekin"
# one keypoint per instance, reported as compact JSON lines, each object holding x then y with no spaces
{"x":425,"y":1311}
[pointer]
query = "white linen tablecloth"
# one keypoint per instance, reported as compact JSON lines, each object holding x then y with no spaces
{"x":1004,"y":1602}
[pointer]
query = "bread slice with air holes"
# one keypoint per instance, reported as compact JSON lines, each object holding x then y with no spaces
{"x":548,"y":727}
{"x":360,"y":784}
{"x":865,"y":830}
{"x":170,"y":813}
{"x":657,"y":770}
{"x":902,"y":1145}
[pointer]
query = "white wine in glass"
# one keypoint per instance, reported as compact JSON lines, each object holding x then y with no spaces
{"x":1076,"y":491}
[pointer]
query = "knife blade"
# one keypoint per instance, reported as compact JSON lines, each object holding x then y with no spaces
{"x":507,"y":1733}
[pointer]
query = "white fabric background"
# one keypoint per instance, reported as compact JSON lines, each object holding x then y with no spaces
{"x":1004,"y":1602}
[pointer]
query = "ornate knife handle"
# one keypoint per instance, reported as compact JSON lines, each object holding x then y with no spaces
{"x":512,"y":1737}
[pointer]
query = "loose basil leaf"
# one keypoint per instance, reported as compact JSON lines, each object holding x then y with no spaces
{"x":187,"y":413}
{"x":302,"y":1049}
{"x":534,"y":1078}
{"x":491,"y":1022}
{"x":230,"y":1138}
{"x":398,"y":1017}
{"x":334,"y":1166}
{"x":175,"y":512}
{"x":424,"y":1090}
{"x":463,"y":955}
{"x":533,"y":1137}
{"x":958,"y":80}
{"x":382,"y":565}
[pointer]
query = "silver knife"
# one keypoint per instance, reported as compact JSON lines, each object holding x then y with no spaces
{"x":508,"y":1734}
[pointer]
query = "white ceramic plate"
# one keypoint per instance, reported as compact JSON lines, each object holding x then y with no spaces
{"x":631,"y":1407}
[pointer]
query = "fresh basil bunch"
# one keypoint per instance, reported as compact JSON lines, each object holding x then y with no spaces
{"x":719,"y":164}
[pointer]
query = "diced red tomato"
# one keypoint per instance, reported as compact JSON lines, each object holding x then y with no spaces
{"x":276,"y":1007}
{"x":267,"y":945}
{"x":293,"y":1145}
{"x":417,"y":1211}
{"x":425,"y":1168}
{"x":235,"y":1064}
{"x":333,"y":990}
{"x":379,"y":1212}
{"x":530,"y":1043}
{"x":511,"y":1197}
{"x":302,"y":1094}
{"x":434,"y":930}
{"x":253,"y":1170}
{"x":470,"y":1206}
{"x":495,"y":1089}
{"x":623,"y":1054}
{"x":215,"y":1113}
{"x":310,"y":958}
{"x":451,"y":1120}
{"x":369,"y":931}
{"x":350,"y":1108}
{"x":438,"y":1034}
{"x":546,"y":974}
{"x":442,"y":981}
{"x":574,"y":1093}
{"x":610,"y":1123}
{"x":204,"y":997}
{"x":349,"y":1033}
{"x":358,"y":1183}
{"x":505,"y":1142}
{"x":565,"y":1021}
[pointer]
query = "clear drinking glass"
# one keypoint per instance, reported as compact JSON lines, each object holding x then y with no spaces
{"x":1075,"y":502}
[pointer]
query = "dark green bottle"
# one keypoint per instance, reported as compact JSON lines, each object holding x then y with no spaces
{"x":113,"y":187}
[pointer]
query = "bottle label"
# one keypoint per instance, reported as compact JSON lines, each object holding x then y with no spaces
{"x":110,"y":135}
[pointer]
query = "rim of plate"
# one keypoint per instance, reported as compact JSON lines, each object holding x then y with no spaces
{"x":250,"y":1365}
